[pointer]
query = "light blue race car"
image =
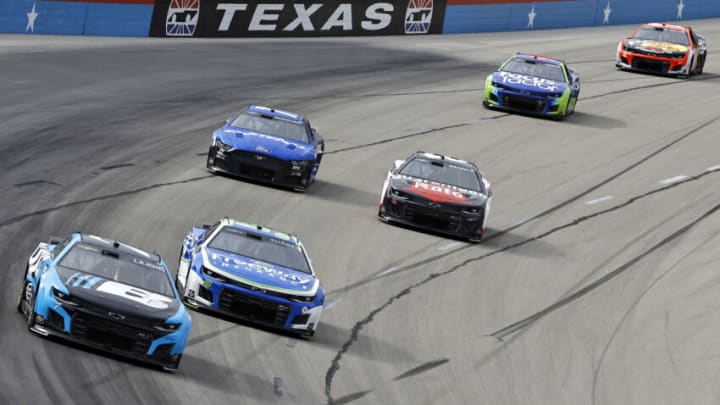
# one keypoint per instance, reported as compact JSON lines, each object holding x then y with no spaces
{"x":106,"y":295}
{"x":252,"y":273}
{"x":535,"y":85}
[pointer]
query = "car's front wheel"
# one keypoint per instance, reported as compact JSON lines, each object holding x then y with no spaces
{"x":20,"y":298}
{"x":181,"y":290}
{"x":29,"y":301}
{"x":210,"y":163}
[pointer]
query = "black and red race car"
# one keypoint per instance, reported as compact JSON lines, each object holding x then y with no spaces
{"x":663,"y":48}
{"x":439,"y":193}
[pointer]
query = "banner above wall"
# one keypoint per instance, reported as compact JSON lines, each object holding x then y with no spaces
{"x":221,"y":18}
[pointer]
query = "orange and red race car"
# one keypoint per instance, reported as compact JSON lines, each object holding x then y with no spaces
{"x":663,"y":48}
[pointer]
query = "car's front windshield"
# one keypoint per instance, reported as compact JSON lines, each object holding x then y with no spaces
{"x":271,"y":126}
{"x":662,"y":35}
{"x":261,"y":247}
{"x":524,"y":67}
{"x":123,"y":268}
{"x":444,"y":172}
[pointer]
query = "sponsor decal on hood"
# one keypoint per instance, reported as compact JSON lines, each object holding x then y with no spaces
{"x":112,"y":294}
{"x":530,"y":83}
{"x":436,"y":192}
{"x":656,"y":46}
{"x":260,"y":274}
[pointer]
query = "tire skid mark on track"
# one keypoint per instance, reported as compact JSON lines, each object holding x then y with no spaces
{"x":35,"y":183}
{"x":649,"y":86}
{"x":421,"y":368}
{"x":514,"y":327}
{"x":117,"y":166}
{"x":634,"y":305}
{"x":335,"y":364}
{"x":408,"y":374}
{"x":18,"y":218}
{"x":351,"y":397}
{"x":540,"y":215}
{"x":414,"y":134}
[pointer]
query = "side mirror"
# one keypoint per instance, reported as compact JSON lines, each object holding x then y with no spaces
{"x":396,"y":165}
{"x":227,"y":121}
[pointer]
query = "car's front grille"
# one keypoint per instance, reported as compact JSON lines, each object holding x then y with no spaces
{"x":110,"y":334}
{"x":431,"y":218}
{"x":55,"y":320}
{"x":650,"y":65}
{"x":253,"y":308}
{"x":523,"y":103}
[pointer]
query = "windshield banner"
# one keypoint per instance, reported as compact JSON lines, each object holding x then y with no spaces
{"x":222,"y":18}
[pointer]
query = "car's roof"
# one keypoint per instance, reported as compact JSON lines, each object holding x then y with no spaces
{"x":275,"y":113}
{"x":666,"y":26}
{"x":533,"y":57}
{"x":118,"y":247}
{"x":439,"y":157}
{"x":260,"y":230}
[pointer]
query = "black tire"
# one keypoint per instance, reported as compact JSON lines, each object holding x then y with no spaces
{"x":30,"y":315}
{"x":20,"y":299}
{"x":181,"y":290}
{"x":210,"y":166}
{"x":702,"y":65}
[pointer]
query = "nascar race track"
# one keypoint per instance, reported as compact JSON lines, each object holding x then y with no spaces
{"x":597,"y":282}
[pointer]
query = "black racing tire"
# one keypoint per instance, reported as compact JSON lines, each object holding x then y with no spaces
{"x":702,"y":65}
{"x":181,"y":290}
{"x":210,"y":167}
{"x":30,"y":315}
{"x":20,"y":298}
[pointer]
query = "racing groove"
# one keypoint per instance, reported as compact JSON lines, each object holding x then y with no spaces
{"x":564,"y":303}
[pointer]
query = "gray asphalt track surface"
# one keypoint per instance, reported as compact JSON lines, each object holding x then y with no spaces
{"x":574,"y":297}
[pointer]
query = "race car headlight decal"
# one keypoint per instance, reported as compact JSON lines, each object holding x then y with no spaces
{"x":298,"y":298}
{"x":59,"y":294}
{"x":167,"y":327}
{"x":215,"y":275}
{"x":398,"y":194}
{"x":223,"y":147}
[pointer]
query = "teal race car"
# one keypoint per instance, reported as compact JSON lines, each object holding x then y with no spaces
{"x":535,"y":85}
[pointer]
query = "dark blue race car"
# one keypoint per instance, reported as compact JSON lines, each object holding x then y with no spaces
{"x":535,"y":85}
{"x":267,"y":145}
{"x":253,"y":273}
{"x":106,"y":295}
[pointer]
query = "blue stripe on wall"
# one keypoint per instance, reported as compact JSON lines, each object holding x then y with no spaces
{"x":75,"y":18}
{"x":514,"y":16}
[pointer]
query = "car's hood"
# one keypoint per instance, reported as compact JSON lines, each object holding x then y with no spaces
{"x":529,"y":83}
{"x":262,"y":275}
{"x":655,"y":46}
{"x":283,"y":148}
{"x":121,"y":299}
{"x":436,"y":192}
